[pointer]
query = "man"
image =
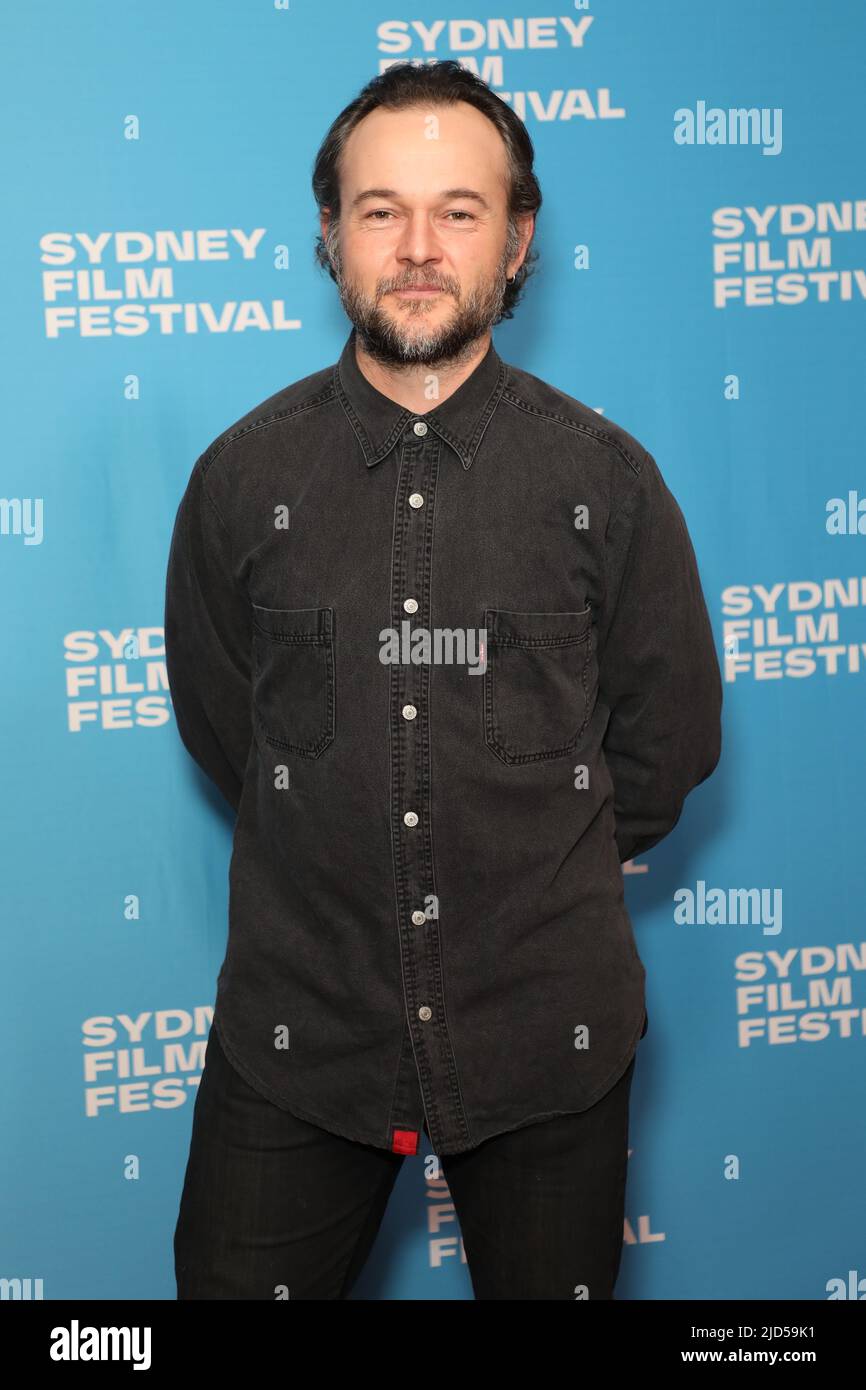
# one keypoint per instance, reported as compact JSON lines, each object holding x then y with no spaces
{"x":436,"y":630}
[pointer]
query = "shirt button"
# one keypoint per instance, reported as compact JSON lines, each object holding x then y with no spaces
{"x":419,"y":427}
{"x":416,"y":500}
{"x":424,"y":1013}
{"x":418,"y":917}
{"x":409,"y":711}
{"x":410,"y":818}
{"x":410,"y":605}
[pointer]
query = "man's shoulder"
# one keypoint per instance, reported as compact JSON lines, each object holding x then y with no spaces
{"x":536,"y":396}
{"x":299,"y":396}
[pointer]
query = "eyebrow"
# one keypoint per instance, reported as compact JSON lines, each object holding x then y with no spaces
{"x":447,"y":194}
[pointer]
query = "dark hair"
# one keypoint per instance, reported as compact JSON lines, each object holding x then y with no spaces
{"x":435,"y":84}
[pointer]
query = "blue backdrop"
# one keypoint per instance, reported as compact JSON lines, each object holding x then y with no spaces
{"x":702,"y":283}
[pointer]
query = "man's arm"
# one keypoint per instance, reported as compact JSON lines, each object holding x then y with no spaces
{"x":208,"y":641}
{"x":659,"y":673}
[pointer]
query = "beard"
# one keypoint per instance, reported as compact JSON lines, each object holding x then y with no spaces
{"x":404,"y":340}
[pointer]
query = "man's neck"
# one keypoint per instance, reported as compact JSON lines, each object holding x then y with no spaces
{"x":420,"y":388}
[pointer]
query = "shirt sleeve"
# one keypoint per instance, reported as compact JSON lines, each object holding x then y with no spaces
{"x":208,"y":639}
{"x":658,"y":670}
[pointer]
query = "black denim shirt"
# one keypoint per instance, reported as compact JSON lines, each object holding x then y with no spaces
{"x":426,"y":900}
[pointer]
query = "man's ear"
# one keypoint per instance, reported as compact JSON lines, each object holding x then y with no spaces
{"x":526,"y":225}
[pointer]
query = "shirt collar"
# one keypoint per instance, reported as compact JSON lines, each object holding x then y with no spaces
{"x":460,"y":420}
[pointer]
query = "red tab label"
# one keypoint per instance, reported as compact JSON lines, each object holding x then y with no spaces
{"x":405,"y":1141}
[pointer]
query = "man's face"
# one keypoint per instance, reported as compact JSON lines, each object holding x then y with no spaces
{"x":422,"y":249}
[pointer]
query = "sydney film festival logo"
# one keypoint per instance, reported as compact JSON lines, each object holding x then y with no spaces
{"x":147,"y":1061}
{"x":125,"y":283}
{"x":116,"y":680}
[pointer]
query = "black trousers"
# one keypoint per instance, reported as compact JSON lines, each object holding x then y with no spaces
{"x":273,"y":1206}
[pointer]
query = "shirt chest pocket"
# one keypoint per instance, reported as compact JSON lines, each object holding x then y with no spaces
{"x":540,"y":684}
{"x":293,"y":677}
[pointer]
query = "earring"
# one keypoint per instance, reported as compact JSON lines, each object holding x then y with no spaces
{"x":511,"y":278}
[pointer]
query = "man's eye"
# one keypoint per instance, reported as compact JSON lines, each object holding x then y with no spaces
{"x":379,"y":213}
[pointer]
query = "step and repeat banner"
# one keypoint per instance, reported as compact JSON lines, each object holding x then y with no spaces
{"x":701,"y":282}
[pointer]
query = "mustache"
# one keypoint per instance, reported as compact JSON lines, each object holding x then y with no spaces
{"x":429,"y":283}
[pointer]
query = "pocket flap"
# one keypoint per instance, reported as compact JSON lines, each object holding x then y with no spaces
{"x":295,"y":624}
{"x":541,"y":628}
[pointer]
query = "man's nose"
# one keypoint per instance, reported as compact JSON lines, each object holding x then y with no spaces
{"x":419,"y":242}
